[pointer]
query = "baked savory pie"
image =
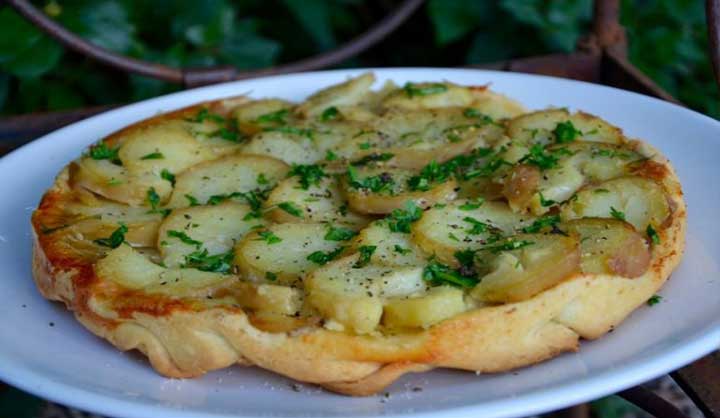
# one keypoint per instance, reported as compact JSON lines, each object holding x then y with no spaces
{"x":359,"y":235}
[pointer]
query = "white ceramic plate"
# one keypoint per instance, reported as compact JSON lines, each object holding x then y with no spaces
{"x":67,"y":364}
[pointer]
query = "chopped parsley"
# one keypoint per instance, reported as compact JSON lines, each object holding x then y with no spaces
{"x":364,"y":145}
{"x":310,"y":174}
{"x":401,"y":250}
{"x":565,"y":132}
{"x":153,"y":199}
{"x":330,"y":156}
{"x":439,"y":274}
{"x":331,"y":113}
{"x":416,"y":90}
{"x":115,"y":239}
{"x":167,"y":175}
{"x":652,"y":234}
{"x":322,"y":258}
{"x":185,"y":238}
{"x":476,"y":114}
{"x":599,"y":191}
{"x":374,"y":157}
{"x":153,"y":156}
{"x":477,"y":226}
{"x":261,"y":179}
{"x":291,"y":208}
{"x":545,"y":202}
{"x":453,"y":237}
{"x":337,"y":233}
{"x":205,"y":114}
{"x":102,"y":152}
{"x":231,"y":135}
{"x":654,"y":300}
{"x":400,"y":219}
{"x":542,"y":223}
{"x":274,"y":117}
{"x":201,"y":260}
{"x":366,"y":252}
{"x":192,"y":200}
{"x":539,"y":158}
{"x":619,"y":215}
{"x":375,"y":184}
{"x":431,"y":173}
{"x":269,"y":275}
{"x":472,"y":204}
{"x":269,"y":237}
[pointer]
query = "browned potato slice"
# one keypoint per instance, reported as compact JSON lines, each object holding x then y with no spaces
{"x":322,"y":202}
{"x":279,"y":253}
{"x":463,"y":224}
{"x":423,"y":311}
{"x":637,"y":200}
{"x":568,"y":168}
{"x":551,"y":126}
{"x":610,"y":246}
{"x":232,"y":174}
{"x":254,"y":116}
{"x":428,"y":95}
{"x":348,"y":93}
{"x":494,"y":105}
{"x":268,"y":298}
{"x":539,"y":262}
{"x":388,"y":190}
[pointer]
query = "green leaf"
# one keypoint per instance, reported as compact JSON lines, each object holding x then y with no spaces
{"x":202,"y":260}
{"x":322,"y":258}
{"x":366,"y":252}
{"x":314,"y":18}
{"x":438,"y":274}
{"x":310,"y":174}
{"x":104,"y":23}
{"x":338,"y":233}
{"x":245,"y":49}
{"x":35,"y":61}
{"x":17,"y":35}
{"x":115,"y":239}
{"x":453,"y":19}
{"x":400,"y":220}
{"x":184,"y":238}
{"x":291,"y":208}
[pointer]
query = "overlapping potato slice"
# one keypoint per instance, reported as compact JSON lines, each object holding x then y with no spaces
{"x":524,"y":265}
{"x":558,"y":126}
{"x":268,"y":298}
{"x":550,"y":176}
{"x":348,"y":93}
{"x":378,"y":189}
{"x":610,"y":246}
{"x":234,"y":174}
{"x":423,"y":311}
{"x":129,"y":268}
{"x":637,"y":200}
{"x":428,"y":95}
{"x":281,"y":253}
{"x":319,"y":202}
{"x":350,"y":290}
{"x":392,"y":246}
{"x":464,"y":224}
{"x":257,"y":115}
{"x":494,"y":105}
{"x":214,"y":228}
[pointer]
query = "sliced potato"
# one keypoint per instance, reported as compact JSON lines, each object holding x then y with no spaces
{"x":443,"y":231}
{"x":322,"y":202}
{"x":269,"y":298}
{"x":231,"y":174}
{"x":129,"y":268}
{"x":637,"y":200}
{"x":101,"y":217}
{"x":542,"y":127}
{"x":540,"y":262}
{"x":392,"y":248}
{"x":253,"y":116}
{"x":494,"y":105}
{"x":280,"y":252}
{"x":423,"y":311}
{"x":391,"y":190}
{"x":529,"y":188}
{"x":350,"y":92}
{"x":428,"y":95}
{"x":289,"y":147}
{"x":352,"y":295}
{"x":114,"y":182}
{"x":610,"y":246}
{"x":213,"y":228}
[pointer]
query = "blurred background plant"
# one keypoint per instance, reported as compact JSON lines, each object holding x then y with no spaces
{"x":667,"y":41}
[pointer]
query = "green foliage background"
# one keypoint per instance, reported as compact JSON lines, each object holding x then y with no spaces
{"x":667,"y":41}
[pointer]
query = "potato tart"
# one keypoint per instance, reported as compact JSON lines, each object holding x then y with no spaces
{"x":359,"y":235}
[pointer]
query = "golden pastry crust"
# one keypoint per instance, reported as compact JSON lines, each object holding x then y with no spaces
{"x":187,"y":337}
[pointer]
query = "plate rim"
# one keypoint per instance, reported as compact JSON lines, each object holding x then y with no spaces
{"x":540,"y":400}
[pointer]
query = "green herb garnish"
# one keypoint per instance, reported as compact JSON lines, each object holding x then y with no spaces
{"x":337,"y":233}
{"x":270,"y":276}
{"x":413,"y":90}
{"x":509,"y":245}
{"x":291,"y":208}
{"x":292,"y":130}
{"x":115,"y":239}
{"x":185,"y":238}
{"x":375,"y":184}
{"x":439,"y":274}
{"x":322,"y":258}
{"x":277,"y":116}
{"x":101,"y":151}
{"x":192,"y":199}
{"x":269,"y":237}
{"x":401,"y":219}
{"x":472,"y":204}
{"x":366,"y":252}
{"x":330,"y":156}
{"x":401,"y":250}
{"x":309,"y":174}
{"x":167,"y":175}
{"x":617,"y":214}
{"x":565,"y":132}
{"x":331,"y":113}
{"x":654,"y":300}
{"x":539,"y":158}
{"x":205,"y":114}
{"x":477,"y":226}
{"x":542,"y":223}
{"x":153,"y":156}
{"x":201,"y":260}
{"x":261,"y":179}
{"x":373,"y":158}
{"x":652,"y":234}
{"x":545,"y":202}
